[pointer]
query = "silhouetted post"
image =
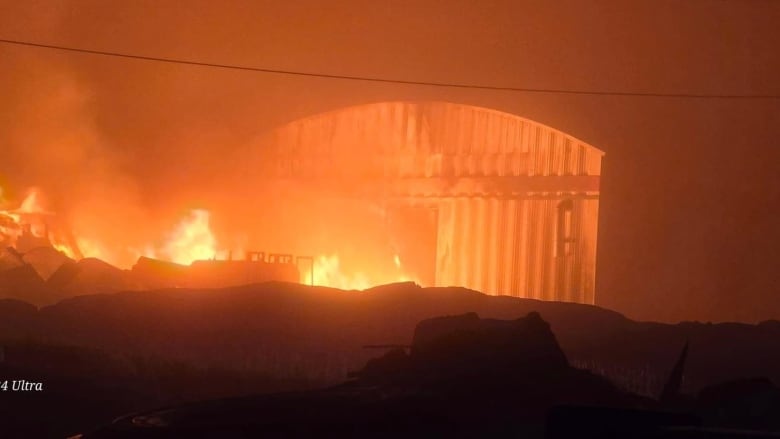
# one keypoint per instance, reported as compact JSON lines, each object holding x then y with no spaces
{"x":671,"y":389}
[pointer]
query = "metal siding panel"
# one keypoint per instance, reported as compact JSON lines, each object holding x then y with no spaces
{"x":556,"y":156}
{"x":509,"y":248}
{"x":575,"y":275}
{"x":535,"y":233}
{"x":516,"y":269}
{"x":444,"y":251}
{"x":583,"y":245}
{"x":493,"y":271}
{"x":466,"y":236}
{"x":589,"y":267}
{"x":530,"y":239}
{"x":522,"y":250}
{"x":505,"y":252}
{"x":457,"y":244}
{"x":479,"y":233}
{"x":549,"y":152}
{"x":545,"y":254}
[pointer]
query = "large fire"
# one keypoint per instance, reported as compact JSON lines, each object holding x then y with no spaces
{"x":28,"y":225}
{"x":329,"y":273}
{"x":191,"y":239}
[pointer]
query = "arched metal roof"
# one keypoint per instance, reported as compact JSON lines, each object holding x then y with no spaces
{"x":434,"y":140}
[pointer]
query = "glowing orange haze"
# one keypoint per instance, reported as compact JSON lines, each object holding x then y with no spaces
{"x":189,"y":240}
{"x":327,"y":272}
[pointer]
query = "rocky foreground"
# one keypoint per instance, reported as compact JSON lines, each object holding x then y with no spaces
{"x":464,"y":376}
{"x":99,"y":356}
{"x":297,"y":331}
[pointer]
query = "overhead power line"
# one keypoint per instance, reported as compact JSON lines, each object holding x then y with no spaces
{"x":390,"y":80}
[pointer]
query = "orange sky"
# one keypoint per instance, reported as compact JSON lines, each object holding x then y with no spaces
{"x":690,"y":188}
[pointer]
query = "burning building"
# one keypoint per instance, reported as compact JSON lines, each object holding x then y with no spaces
{"x":437,"y":193}
{"x":472,"y":197}
{"x":31,"y":226}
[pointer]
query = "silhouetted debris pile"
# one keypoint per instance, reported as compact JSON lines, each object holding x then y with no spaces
{"x":90,"y":276}
{"x":457,"y":347}
{"x":153,"y":273}
{"x":158,"y":274}
{"x":24,"y":283}
{"x":64,"y":275}
{"x":219,"y":273}
{"x":464,"y":375}
{"x":45,"y":260}
{"x":316,"y":332}
{"x":461,"y":375}
{"x":64,"y":278}
{"x":17,"y":319}
{"x":9,"y":258}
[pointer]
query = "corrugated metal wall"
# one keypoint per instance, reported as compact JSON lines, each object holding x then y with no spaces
{"x":511,"y":247}
{"x":533,"y":244}
{"x":398,"y":140}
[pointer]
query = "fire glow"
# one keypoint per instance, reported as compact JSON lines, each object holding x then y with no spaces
{"x":191,"y":239}
{"x":28,"y":219}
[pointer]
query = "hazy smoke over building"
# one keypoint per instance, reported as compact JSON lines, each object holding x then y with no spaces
{"x":690,"y":189}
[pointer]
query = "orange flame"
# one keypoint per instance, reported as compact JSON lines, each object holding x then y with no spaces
{"x":327,"y":272}
{"x":13,"y":222}
{"x":31,"y":203}
{"x":191,"y":240}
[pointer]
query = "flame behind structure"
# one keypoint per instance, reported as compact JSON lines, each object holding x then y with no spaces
{"x":469,"y":196}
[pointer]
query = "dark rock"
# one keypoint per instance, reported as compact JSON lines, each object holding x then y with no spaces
{"x":470,"y":345}
{"x":64,"y":275}
{"x":10,"y":258}
{"x":90,"y":276}
{"x":431,"y":330}
{"x":24,"y":283}
{"x":153,"y":273}
{"x":392,"y":364}
{"x":474,"y":377}
{"x":297,"y":324}
{"x":393,"y":287}
{"x":45,"y":260}
{"x":472,"y":351}
{"x":221,"y":274}
{"x":17,"y":318}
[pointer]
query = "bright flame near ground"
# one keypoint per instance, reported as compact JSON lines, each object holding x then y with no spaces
{"x":12,"y":222}
{"x":92,"y":249}
{"x":65,"y":249}
{"x":31,"y":203}
{"x":329,"y":273}
{"x":191,"y":240}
